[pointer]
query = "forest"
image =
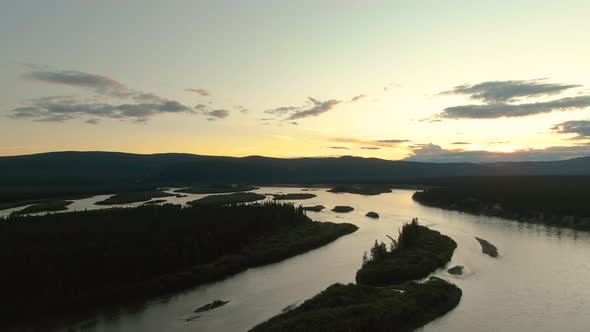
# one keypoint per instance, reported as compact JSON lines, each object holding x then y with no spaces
{"x":556,"y":200}
{"x":75,"y":260}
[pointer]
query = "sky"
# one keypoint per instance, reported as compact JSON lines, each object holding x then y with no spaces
{"x":440,"y":81}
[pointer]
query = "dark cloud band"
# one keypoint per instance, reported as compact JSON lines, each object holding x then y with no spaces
{"x":505,"y":91}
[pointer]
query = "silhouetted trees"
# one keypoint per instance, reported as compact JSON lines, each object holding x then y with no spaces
{"x":59,"y":259}
{"x":557,"y":200}
{"x":417,"y":252}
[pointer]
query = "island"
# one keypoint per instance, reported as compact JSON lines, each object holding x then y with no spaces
{"x":456,"y":270}
{"x":342,"y":209}
{"x":372,"y":214}
{"x":403,"y":306}
{"x":362,"y":189}
{"x":315,"y":208}
{"x":228,"y":199}
{"x":215,"y":189}
{"x":121,"y":255}
{"x":487,"y":248}
{"x":48,"y":206}
{"x":294,"y":196}
{"x":133,"y":197}
{"x":414,"y":255}
{"x":210,"y":306}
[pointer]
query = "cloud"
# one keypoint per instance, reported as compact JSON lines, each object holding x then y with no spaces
{"x":460,"y":143}
{"x":111,"y":99}
{"x":435,"y":153}
{"x":503,"y":110}
{"x":282,"y":110}
{"x":317,"y":108}
{"x":580,"y":128}
{"x":338,"y":147}
{"x":394,"y":141}
{"x":387,"y":143}
{"x":241,"y":109}
{"x":506,"y":91}
{"x":219,"y":114}
{"x":101,"y":85}
{"x":357,"y":98}
{"x":201,"y":91}
{"x":370,"y":148}
{"x":213,"y":115}
{"x":313,"y":107}
{"x":60,"y":109}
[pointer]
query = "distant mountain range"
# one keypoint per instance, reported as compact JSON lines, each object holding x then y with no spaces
{"x":125,"y":169}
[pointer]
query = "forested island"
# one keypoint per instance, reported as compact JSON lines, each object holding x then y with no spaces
{"x":414,"y":255}
{"x":342,"y":209}
{"x":48,"y":206}
{"x":65,"y":262}
{"x":133,"y":197}
{"x":215,"y":189}
{"x":228,"y":199}
{"x":314,"y":208}
{"x":374,"y":189}
{"x":556,"y":201}
{"x":399,"y":305}
{"x":293,"y":196}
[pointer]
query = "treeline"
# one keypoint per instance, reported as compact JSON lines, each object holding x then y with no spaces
{"x":557,"y":200}
{"x":59,"y":260}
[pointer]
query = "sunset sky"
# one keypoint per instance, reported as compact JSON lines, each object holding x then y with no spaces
{"x":418,"y":80}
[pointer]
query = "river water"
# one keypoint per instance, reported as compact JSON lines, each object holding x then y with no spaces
{"x":541,"y":282}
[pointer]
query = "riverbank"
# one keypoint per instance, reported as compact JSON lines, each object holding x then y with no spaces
{"x":128,"y":255}
{"x":561,"y":201}
{"x":402,"y":308}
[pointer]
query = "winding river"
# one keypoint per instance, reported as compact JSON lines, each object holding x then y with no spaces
{"x":541,"y":282}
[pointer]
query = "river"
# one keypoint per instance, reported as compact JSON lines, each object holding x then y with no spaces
{"x":541,"y":282}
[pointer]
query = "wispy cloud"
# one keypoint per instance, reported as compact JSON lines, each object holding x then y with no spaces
{"x":460,"y":143}
{"x":317,"y":107}
{"x":580,"y":128}
{"x":102,"y":85}
{"x":338,"y":148}
{"x":112,"y":99}
{"x":241,"y":109}
{"x":386,"y":143}
{"x":506,"y":91}
{"x":59,"y":109}
{"x":499,"y":98}
{"x":312,"y":108}
{"x":435,"y":153}
{"x":213,"y":114}
{"x":357,"y":98}
{"x":494,"y":111}
{"x":200,"y":91}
